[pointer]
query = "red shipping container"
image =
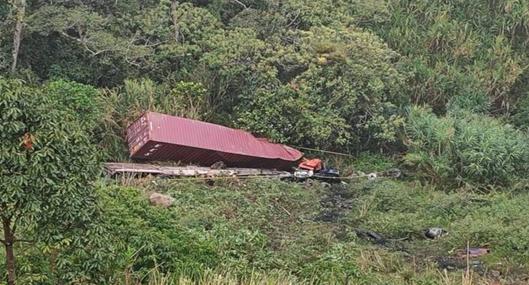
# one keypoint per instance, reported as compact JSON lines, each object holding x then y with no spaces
{"x":160,"y":137}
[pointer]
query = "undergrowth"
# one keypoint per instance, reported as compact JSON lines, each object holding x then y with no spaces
{"x":272,"y":232}
{"x":266,"y":232}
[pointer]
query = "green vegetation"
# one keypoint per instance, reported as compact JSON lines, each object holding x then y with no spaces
{"x":465,"y":148}
{"x":283,"y":232}
{"x":438,"y":89}
{"x":48,"y":165}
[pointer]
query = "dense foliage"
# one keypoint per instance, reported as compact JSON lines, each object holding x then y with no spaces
{"x":47,"y":167}
{"x":465,"y":148}
{"x":441,"y":87}
{"x":332,"y":74}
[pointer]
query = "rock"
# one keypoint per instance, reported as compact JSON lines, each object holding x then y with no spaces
{"x":161,"y":200}
{"x":434,"y":233}
{"x":495,"y":273}
{"x":372,"y":176}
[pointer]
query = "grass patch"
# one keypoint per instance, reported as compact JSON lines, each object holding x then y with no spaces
{"x":262,"y":226}
{"x":272,"y":232}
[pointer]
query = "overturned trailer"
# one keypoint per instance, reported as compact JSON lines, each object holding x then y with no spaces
{"x":113,"y":169}
{"x":160,"y":137}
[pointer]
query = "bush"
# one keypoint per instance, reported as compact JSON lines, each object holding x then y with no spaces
{"x":465,"y":149}
{"x":334,"y":88}
{"x":153,"y":234}
{"x":82,"y":101}
{"x":132,"y":237}
{"x":520,"y":118}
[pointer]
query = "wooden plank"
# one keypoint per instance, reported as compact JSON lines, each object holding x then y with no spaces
{"x":113,"y":168}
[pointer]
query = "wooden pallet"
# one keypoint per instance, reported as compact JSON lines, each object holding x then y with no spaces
{"x":141,"y":169}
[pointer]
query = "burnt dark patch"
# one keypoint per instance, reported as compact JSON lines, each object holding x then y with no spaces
{"x":335,"y":204}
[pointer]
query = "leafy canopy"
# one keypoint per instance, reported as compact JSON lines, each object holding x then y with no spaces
{"x":47,"y":164}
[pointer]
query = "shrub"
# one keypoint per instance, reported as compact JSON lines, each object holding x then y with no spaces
{"x":465,"y":149}
{"x":80,"y":100}
{"x":520,"y":118}
{"x":133,"y":237}
{"x":334,"y":88}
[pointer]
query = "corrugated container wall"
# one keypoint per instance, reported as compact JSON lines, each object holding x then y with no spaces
{"x":160,"y":137}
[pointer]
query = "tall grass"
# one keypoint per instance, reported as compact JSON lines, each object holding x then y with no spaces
{"x":210,"y":277}
{"x":465,"y":149}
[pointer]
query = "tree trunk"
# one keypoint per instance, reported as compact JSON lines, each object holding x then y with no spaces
{"x":176,"y":27}
{"x":20,"y":11}
{"x":9,"y":239}
{"x":53,"y":265}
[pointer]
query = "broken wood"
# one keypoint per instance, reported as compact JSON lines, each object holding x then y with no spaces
{"x":114,"y":168}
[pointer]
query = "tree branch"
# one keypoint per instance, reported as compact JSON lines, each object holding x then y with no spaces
{"x":295,"y":18}
{"x":83,"y":43}
{"x":24,"y":240}
{"x":240,"y":3}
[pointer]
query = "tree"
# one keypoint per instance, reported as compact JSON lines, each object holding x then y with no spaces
{"x":334,"y":88}
{"x":47,"y":164}
{"x":20,"y":11}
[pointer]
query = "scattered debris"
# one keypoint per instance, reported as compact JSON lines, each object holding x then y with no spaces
{"x":378,"y":239}
{"x":336,"y":203}
{"x":161,"y":200}
{"x":472,"y":252}
{"x":302,"y":174}
{"x":314,"y":168}
{"x":328,"y":174}
{"x":370,"y":236}
{"x":465,"y":258}
{"x":311,"y":164}
{"x":435,"y":233}
{"x":390,"y":173}
{"x":451,"y":263}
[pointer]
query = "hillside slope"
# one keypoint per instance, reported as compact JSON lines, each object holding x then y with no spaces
{"x":288,"y":233}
